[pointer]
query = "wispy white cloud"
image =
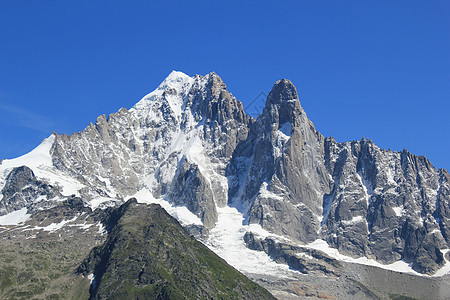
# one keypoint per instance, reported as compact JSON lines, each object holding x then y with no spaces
{"x":27,"y":119}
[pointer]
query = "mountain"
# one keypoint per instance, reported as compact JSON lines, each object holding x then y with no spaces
{"x":239,"y":183}
{"x":148,"y":255}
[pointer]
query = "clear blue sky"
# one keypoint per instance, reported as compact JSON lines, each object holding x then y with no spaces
{"x":379,"y":69}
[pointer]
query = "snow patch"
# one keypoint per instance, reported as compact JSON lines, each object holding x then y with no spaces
{"x":398,"y":266}
{"x":226,"y":240}
{"x":262,"y":233}
{"x":70,"y":186}
{"x":39,"y":156}
{"x":265,"y":193}
{"x":354,"y":220}
{"x":181,"y":213}
{"x":102,"y":202}
{"x":446,"y":268}
{"x":304,"y":255}
{"x":15,"y":217}
{"x":54,"y":226}
{"x":398,"y":211}
{"x":40,"y":162}
{"x":83,"y":226}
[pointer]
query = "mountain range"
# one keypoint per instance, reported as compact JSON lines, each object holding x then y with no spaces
{"x":272,"y":196}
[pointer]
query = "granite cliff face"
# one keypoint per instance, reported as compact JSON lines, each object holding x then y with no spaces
{"x":362,"y":200}
{"x":190,"y":145}
{"x":386,"y":205}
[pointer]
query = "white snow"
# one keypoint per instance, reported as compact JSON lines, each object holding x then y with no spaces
{"x":54,"y":226}
{"x":40,"y":156}
{"x":354,"y":220}
{"x":281,"y":136}
{"x":40,"y":162}
{"x":15,"y":217}
{"x":390,"y":172}
{"x":195,"y":153}
{"x":101,"y":228}
{"x":398,"y":211}
{"x":91,"y":278}
{"x":399,"y":266}
{"x":446,"y":268}
{"x":304,"y":255}
{"x":265,"y":193}
{"x":366,"y":186}
{"x":69,"y":185}
{"x":83,"y":226}
{"x":177,"y":81}
{"x":181,"y":213}
{"x":226,"y":240}
{"x":102,"y":202}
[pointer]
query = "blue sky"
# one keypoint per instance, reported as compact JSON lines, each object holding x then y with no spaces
{"x":378,"y":69}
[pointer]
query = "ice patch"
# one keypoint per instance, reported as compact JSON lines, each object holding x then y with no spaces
{"x":101,"y":228}
{"x":91,"y":278}
{"x":102,"y":202}
{"x":367,"y":188}
{"x":177,"y":81}
{"x":15,"y":217}
{"x":40,"y":162}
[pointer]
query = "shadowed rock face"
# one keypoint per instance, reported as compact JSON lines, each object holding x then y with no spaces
{"x":148,"y":255}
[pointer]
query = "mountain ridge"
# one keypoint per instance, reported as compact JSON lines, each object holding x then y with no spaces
{"x":148,"y":255}
{"x":190,"y":144}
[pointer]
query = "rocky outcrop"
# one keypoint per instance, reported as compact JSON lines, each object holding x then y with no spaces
{"x":189,"y":188}
{"x":304,"y":260}
{"x":277,"y":170}
{"x":23,"y":189}
{"x":384,"y":205}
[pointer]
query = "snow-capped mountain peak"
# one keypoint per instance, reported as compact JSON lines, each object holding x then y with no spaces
{"x":190,"y":146}
{"x":173,"y":90}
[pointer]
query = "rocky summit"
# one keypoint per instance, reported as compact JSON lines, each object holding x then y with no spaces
{"x":272,"y":196}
